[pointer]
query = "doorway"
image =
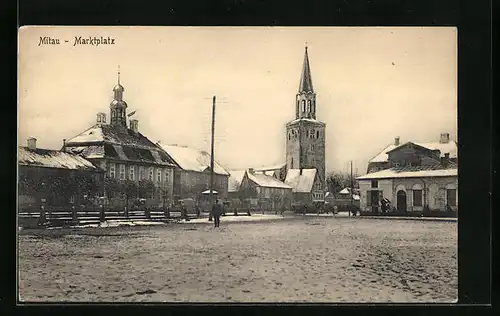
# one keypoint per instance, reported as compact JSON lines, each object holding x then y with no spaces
{"x":375,"y":200}
{"x":401,"y":201}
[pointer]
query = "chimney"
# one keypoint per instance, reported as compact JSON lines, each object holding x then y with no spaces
{"x":101,"y":118}
{"x":134,"y":125}
{"x":32,"y":143}
{"x":64,"y":143}
{"x":396,"y":141}
{"x":445,"y":138}
{"x":251,"y":170}
{"x":445,"y":160}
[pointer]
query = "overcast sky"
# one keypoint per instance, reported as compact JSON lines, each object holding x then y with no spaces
{"x":372,"y":84}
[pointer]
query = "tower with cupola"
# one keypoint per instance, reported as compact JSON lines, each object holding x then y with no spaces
{"x":118,"y":107}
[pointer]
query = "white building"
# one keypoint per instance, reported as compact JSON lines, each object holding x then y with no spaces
{"x":413,"y":176}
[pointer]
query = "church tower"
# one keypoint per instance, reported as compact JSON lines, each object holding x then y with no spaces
{"x":305,"y":136}
{"x":118,"y":106}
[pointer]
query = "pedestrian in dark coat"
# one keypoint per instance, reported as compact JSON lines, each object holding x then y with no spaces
{"x":217,"y":211}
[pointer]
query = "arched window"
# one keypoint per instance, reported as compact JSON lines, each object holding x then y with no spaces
{"x":304,"y":106}
{"x":317,"y":134}
{"x":309,"y":106}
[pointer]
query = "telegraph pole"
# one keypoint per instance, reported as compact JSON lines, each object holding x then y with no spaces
{"x":212,"y":161}
{"x":352,"y":191}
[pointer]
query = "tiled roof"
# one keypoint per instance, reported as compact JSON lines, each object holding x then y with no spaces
{"x":412,"y":172}
{"x":192,"y":159}
{"x":302,"y":183}
{"x":264,"y":180}
{"x":47,"y":158}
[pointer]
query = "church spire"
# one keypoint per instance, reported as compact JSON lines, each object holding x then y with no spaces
{"x":118,"y":106}
{"x":306,"y":79}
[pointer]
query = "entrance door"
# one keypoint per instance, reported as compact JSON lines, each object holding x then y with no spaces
{"x":401,"y":201}
{"x":375,"y":201}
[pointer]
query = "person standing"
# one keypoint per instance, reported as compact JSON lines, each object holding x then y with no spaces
{"x":217,"y":211}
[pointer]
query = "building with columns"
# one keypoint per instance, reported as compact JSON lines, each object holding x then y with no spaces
{"x":126,"y":156}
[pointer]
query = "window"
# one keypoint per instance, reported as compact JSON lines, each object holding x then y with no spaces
{"x":303,"y":105}
{"x":417,"y":197}
{"x":289,"y":136}
{"x":374,"y":184}
{"x":396,"y":164}
{"x":312,"y":147}
{"x":167,"y":175}
{"x":131,"y":173}
{"x":112,"y":170}
{"x":142,"y":173}
{"x":317,"y":134}
{"x":122,"y":172}
{"x":151,"y":174}
{"x":451,"y":197}
{"x":309,"y":106}
{"x":158,"y":175}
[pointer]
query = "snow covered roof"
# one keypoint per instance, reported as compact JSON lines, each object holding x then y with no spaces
{"x":383,"y":156}
{"x":234,"y":181}
{"x":106,"y":141}
{"x":415,"y":172}
{"x":308,"y":120}
{"x":109,"y":134}
{"x":345,"y":191}
{"x":47,"y":158}
{"x":192,"y":159}
{"x":264,"y":180}
{"x":449,"y":147}
{"x":301,"y":182}
{"x":271,"y":168}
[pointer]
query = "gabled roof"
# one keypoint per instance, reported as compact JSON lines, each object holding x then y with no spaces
{"x":449,"y":147}
{"x":192,"y":159}
{"x":235,"y":179}
{"x":46,"y":158}
{"x":301,"y":183}
{"x":412,"y":172}
{"x":410,"y":143}
{"x":266,"y":181}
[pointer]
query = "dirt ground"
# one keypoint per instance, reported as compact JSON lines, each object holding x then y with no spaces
{"x":322,"y":259}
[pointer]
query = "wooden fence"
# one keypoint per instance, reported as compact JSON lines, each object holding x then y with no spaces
{"x":38,"y":217}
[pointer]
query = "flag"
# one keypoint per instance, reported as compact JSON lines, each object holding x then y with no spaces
{"x":131,"y":113}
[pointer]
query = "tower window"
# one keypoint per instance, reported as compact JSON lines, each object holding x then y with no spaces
{"x":309,"y":106}
{"x":303,"y":105}
{"x":317,"y":134}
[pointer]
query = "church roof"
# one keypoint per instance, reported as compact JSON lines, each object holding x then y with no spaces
{"x":302,"y":183}
{"x":192,"y":159}
{"x":306,"y":79}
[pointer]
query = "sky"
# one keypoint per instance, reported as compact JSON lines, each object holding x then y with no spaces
{"x":372,"y":85}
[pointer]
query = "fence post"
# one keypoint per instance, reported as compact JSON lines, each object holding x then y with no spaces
{"x":73,"y":213}
{"x":147,"y":213}
{"x":102,"y":215}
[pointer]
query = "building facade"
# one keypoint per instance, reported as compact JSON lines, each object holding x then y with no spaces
{"x":271,"y":193}
{"x":192,"y":172}
{"x":413,"y":177}
{"x":55,"y":178}
{"x":305,"y":135}
{"x":135,"y":167}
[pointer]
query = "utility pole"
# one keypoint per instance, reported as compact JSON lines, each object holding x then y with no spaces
{"x":212,"y":161}
{"x":352,"y":192}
